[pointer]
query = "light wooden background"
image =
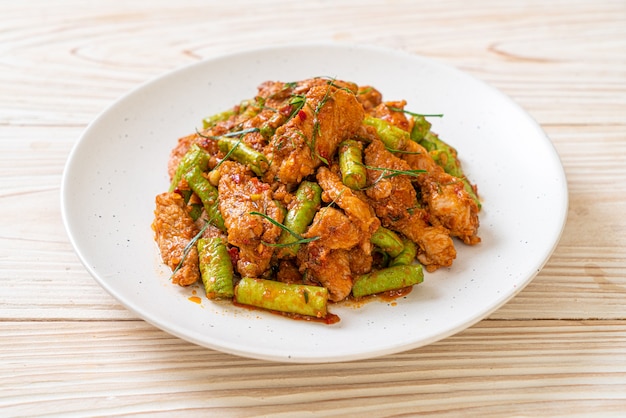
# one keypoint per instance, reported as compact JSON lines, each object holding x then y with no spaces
{"x":68,"y":348}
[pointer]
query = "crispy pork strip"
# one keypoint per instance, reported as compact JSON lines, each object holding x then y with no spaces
{"x":241,"y":193}
{"x":174,"y":229}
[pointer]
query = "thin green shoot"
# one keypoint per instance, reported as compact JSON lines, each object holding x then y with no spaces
{"x":393,"y":172}
{"x":425,"y":115}
{"x":399,"y":151}
{"x":297,"y":101}
{"x":299,"y":238}
{"x":188,"y":248}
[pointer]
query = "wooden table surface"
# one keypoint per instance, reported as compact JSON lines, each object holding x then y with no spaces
{"x":68,"y":348}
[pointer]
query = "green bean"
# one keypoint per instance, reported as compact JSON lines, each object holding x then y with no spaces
{"x":307,"y":202}
{"x":393,"y":137}
{"x":388,"y":241}
{"x":216,"y":268}
{"x":250,"y":108}
{"x":353,"y":172}
{"x":212,"y":120}
{"x":421,"y":127}
{"x":246,"y":108}
{"x":195,"y":211}
{"x":268,"y":128}
{"x":390,"y":278}
{"x":208,"y":195}
{"x":407,"y":255}
{"x":277,"y":296}
{"x":243,"y":154}
{"x":384,"y":257}
{"x":195,"y":157}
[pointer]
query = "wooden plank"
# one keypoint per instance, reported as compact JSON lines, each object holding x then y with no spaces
{"x":519,"y":367}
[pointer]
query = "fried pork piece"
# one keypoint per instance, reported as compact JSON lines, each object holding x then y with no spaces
{"x":452,"y":207}
{"x":334,"y":228}
{"x":360,"y":261}
{"x":436,"y":248}
{"x":448,"y":202}
{"x":331,"y":269}
{"x":288,"y":272}
{"x":328,"y":116}
{"x":274,"y":93}
{"x":174,"y":229}
{"x":338,"y":256}
{"x":357,"y":210}
{"x":395,"y":201}
{"x":328,"y":258}
{"x":369,"y":97}
{"x":239,"y":194}
{"x":390,"y":197}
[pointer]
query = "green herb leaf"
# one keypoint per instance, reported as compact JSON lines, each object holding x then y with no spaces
{"x":230,"y":151}
{"x":289,"y":244}
{"x":297,"y":101}
{"x":425,"y":115}
{"x":394,"y":172}
{"x":188,"y":248}
{"x":228,"y":134}
{"x":241,"y":132}
{"x":300,"y":239}
{"x":399,"y":151}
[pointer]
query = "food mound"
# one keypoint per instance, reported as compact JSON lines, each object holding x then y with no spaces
{"x":312,"y":191}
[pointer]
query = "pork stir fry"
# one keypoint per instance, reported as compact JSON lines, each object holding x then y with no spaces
{"x":309,"y":192}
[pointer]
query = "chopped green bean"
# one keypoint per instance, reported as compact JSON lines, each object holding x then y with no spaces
{"x":420,"y":128}
{"x":407,"y":255}
{"x":208,"y":195}
{"x":216,"y":268}
{"x":243,"y":154}
{"x":307,"y":202}
{"x":195,"y":157}
{"x":353,"y":172}
{"x":277,"y":296}
{"x":388,"y":241}
{"x":393,"y":137}
{"x":390,"y":278}
{"x":212,"y":120}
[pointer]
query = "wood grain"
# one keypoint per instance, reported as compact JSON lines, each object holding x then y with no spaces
{"x":68,"y":348}
{"x":494,"y":368}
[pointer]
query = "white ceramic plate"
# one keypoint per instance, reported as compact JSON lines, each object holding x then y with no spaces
{"x":118,"y":166}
